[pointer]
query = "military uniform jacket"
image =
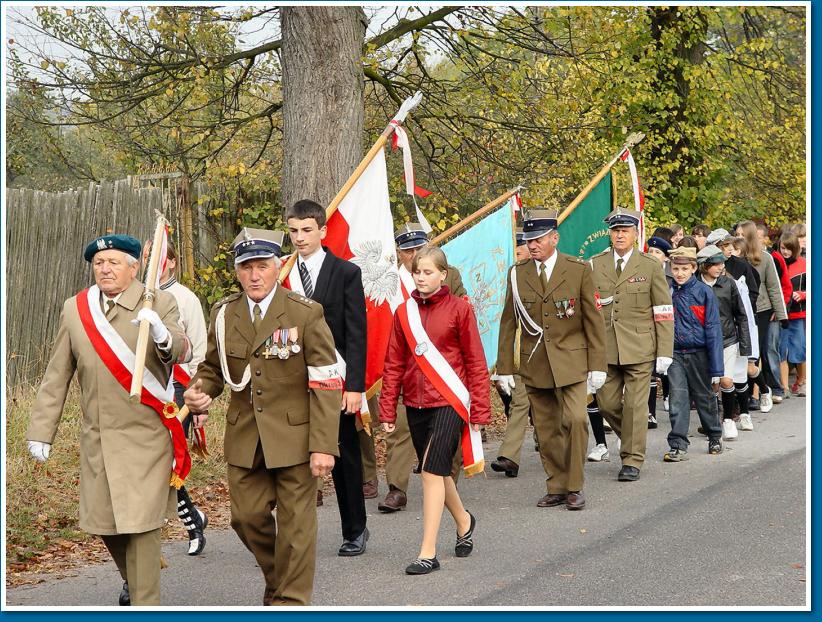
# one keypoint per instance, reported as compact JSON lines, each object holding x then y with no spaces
{"x":276,"y":408}
{"x":571,"y":345}
{"x":637,"y":307}
{"x":125,"y":451}
{"x":453,"y":279}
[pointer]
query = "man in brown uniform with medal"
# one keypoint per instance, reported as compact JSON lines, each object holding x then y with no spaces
{"x":276,"y":353}
{"x":551,"y":296}
{"x":639,"y":328}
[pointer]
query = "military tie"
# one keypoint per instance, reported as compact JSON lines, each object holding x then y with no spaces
{"x":109,"y":306}
{"x":306,"y":279}
{"x":543,"y":278}
{"x":258,"y":318}
{"x":619,"y":266}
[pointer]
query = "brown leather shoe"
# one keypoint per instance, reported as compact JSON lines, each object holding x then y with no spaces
{"x":552,"y":499}
{"x":370,"y":489}
{"x":394,"y":501}
{"x":504,"y":465}
{"x":575,"y":500}
{"x":319,"y":498}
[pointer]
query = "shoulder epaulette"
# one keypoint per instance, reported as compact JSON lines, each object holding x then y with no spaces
{"x":601,"y":253}
{"x":297,"y":297}
{"x":648,"y":256}
{"x":227,"y":299}
{"x":576,"y":259}
{"x":522,"y":262}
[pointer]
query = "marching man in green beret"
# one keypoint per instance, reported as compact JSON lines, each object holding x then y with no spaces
{"x":130,"y":453}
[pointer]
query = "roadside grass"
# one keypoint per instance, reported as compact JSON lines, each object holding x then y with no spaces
{"x":42,"y":500}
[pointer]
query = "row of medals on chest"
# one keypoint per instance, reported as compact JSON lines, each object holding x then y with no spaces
{"x":281,"y":344}
{"x":565,"y":308}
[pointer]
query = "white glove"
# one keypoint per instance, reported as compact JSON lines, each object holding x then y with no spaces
{"x":159,"y":332}
{"x":715,"y":380}
{"x":596,"y":379}
{"x":39,"y":451}
{"x":506,"y":384}
{"x":662,"y":364}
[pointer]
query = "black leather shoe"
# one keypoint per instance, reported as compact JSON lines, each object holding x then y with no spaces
{"x":125,"y":597}
{"x":628,"y":474}
{"x":350,"y":548}
{"x":504,"y":465}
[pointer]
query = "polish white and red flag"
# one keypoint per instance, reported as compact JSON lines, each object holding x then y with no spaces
{"x":362,"y":231}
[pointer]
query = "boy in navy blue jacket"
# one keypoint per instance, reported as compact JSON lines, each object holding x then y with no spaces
{"x":698,"y":363}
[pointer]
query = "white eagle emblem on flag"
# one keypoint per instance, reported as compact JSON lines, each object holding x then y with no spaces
{"x":380,"y":278}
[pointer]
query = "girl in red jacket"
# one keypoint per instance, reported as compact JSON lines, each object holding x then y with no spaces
{"x":449,"y":327}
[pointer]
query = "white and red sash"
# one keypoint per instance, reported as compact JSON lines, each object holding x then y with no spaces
{"x":445,"y":380}
{"x":120,"y":360}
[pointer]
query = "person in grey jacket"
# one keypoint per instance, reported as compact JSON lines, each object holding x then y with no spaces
{"x":770,"y":311}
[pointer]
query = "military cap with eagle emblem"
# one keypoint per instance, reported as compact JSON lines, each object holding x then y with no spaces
{"x":257,"y":244}
{"x":117,"y":241}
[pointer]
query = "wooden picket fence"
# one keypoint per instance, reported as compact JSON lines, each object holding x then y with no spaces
{"x":46,"y":234}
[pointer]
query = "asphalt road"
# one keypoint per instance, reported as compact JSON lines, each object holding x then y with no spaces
{"x":725,"y":530}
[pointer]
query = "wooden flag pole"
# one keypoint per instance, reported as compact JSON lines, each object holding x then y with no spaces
{"x":148,"y":303}
{"x":633,"y":140}
{"x":485,"y":209}
{"x":405,"y":108}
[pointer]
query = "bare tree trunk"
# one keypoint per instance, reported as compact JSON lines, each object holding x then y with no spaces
{"x":323,"y":99}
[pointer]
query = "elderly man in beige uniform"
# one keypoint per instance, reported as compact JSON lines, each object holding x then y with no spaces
{"x":126,"y":450}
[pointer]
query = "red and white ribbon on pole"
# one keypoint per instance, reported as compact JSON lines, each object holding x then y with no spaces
{"x":516,"y":203}
{"x":400,"y":139}
{"x":639,"y":198}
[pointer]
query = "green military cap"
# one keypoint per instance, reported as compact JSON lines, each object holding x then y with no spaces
{"x":257,"y":244}
{"x":683,"y":254}
{"x":126,"y":243}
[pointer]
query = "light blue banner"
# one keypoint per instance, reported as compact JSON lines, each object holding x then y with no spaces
{"x":483,"y":254}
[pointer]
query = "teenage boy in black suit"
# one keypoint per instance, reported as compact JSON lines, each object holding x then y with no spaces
{"x":337,"y":285}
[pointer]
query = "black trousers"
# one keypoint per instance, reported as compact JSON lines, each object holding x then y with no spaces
{"x":347,"y":475}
